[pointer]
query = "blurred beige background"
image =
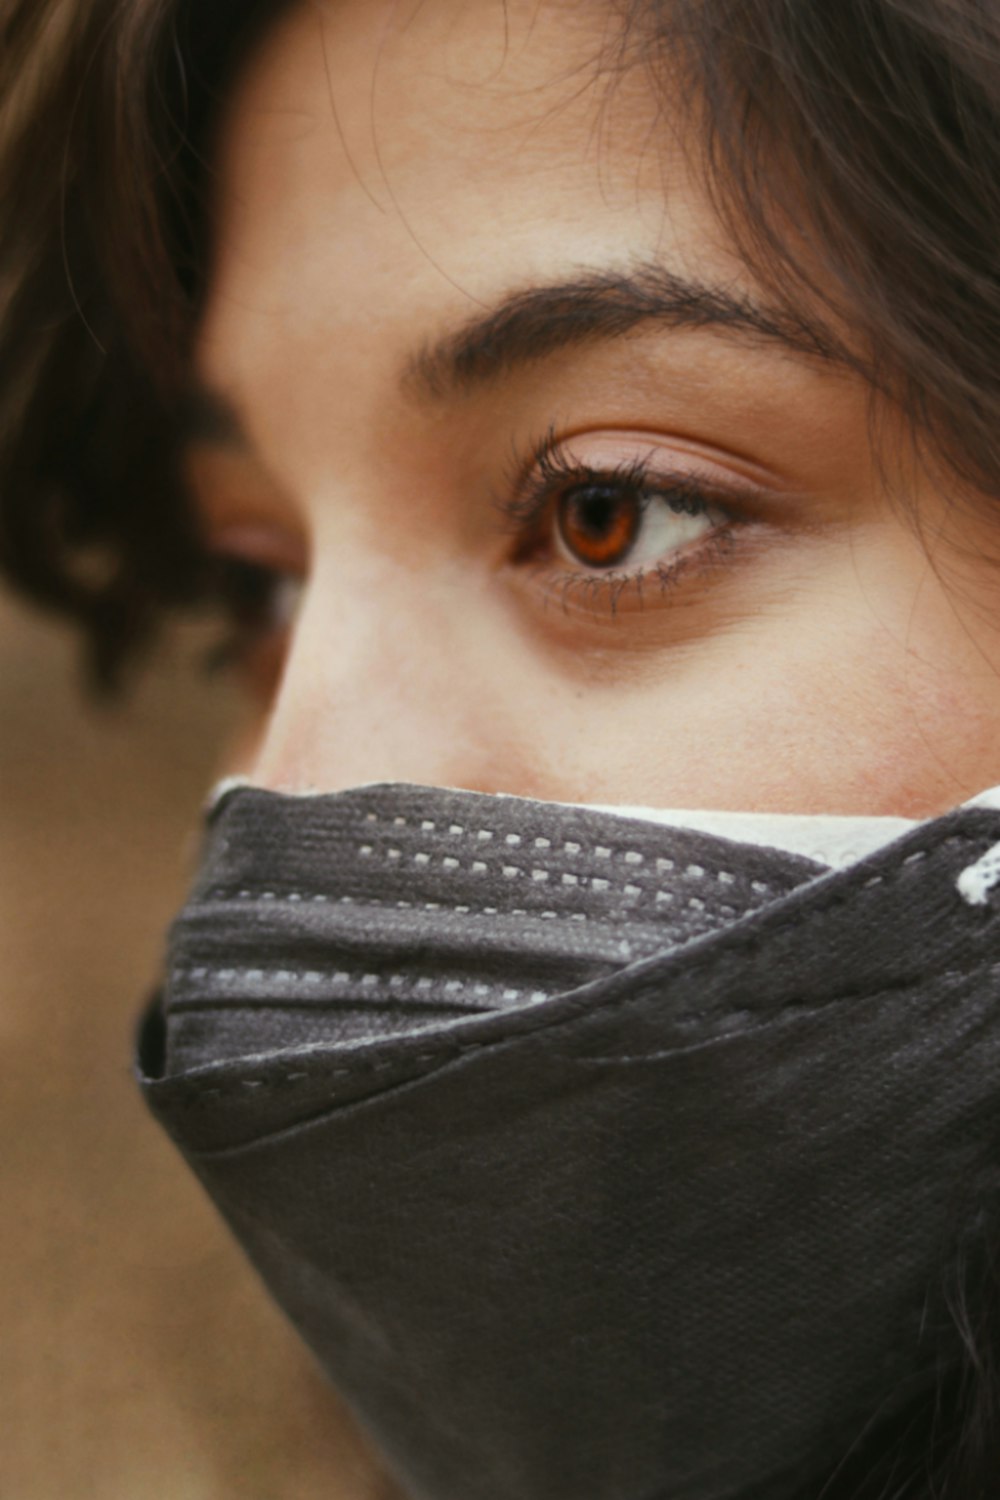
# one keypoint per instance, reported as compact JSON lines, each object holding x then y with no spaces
{"x":137,"y":1355}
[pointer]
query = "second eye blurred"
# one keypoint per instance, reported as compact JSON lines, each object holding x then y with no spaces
{"x":259,"y":605}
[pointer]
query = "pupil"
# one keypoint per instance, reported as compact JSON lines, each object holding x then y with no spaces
{"x":595,"y":513}
{"x":599,"y":524}
{"x":244,"y":589}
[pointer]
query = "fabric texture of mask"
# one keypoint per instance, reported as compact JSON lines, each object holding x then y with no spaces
{"x":596,"y":1159}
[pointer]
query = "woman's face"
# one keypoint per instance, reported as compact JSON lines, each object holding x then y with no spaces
{"x":578,"y":517}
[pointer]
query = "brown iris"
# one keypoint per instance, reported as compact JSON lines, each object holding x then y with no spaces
{"x":598,"y":524}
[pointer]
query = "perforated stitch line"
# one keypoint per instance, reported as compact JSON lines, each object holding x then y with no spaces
{"x":749,"y":944}
{"x":631,"y":857}
{"x":752,"y":1020}
{"x":471,"y":911}
{"x":594,"y":882}
{"x":570,"y":846}
{"x":460,"y":1049}
{"x":311,"y":977}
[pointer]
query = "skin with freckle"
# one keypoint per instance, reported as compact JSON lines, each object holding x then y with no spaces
{"x":823,"y":654}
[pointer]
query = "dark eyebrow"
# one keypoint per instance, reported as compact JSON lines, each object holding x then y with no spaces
{"x":543,"y":320}
{"x":538,"y":321}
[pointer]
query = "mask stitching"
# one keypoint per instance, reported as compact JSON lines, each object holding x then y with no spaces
{"x":695,"y":903}
{"x":344,"y":976}
{"x":510,"y":872}
{"x":515,"y":840}
{"x":747,"y":946}
{"x":460,"y":830}
{"x":755,"y":1021}
{"x":631,"y":857}
{"x":398,"y":981}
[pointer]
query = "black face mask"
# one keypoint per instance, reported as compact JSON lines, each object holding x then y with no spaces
{"x":595,"y":1159}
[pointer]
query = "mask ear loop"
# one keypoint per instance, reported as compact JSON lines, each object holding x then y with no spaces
{"x":976,"y":881}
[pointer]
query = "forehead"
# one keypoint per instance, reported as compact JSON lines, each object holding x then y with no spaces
{"x":388,"y":166}
{"x":512,"y":86}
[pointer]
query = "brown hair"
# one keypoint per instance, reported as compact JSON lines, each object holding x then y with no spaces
{"x":853,"y":146}
{"x":104,"y":113}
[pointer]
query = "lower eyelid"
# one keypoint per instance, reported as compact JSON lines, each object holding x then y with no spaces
{"x":621,"y":592}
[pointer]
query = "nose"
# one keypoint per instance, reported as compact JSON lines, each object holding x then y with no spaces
{"x":390,"y":678}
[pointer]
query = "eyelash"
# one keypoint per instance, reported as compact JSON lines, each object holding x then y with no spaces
{"x":248,"y":593}
{"x":536,"y":484}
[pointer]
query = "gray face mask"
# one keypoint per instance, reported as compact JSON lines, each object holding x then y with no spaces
{"x":596,"y":1159}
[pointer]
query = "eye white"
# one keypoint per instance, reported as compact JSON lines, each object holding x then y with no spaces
{"x":663,"y":530}
{"x":285,"y":600}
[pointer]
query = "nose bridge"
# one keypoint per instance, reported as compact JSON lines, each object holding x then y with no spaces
{"x":375,"y":688}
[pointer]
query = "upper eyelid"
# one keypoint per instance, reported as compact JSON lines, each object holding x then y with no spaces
{"x":523,"y":497}
{"x":226,"y":484}
{"x":214,"y":473}
{"x":723,"y":451}
{"x":649,"y":450}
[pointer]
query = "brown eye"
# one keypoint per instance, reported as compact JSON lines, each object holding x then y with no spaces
{"x":244,"y":590}
{"x":598,"y":524}
{"x":258,"y":605}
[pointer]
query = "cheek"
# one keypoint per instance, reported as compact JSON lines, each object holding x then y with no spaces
{"x":841,"y":676}
{"x":866,"y":692}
